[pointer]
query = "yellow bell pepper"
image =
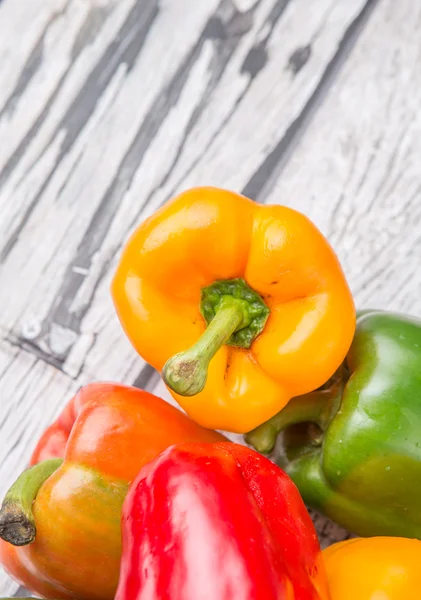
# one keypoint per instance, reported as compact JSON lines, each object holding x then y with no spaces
{"x":378,"y":568}
{"x":251,"y":299}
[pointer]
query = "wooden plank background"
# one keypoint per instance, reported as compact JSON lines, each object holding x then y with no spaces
{"x":110,"y":107}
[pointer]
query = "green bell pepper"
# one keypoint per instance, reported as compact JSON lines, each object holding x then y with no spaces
{"x":353,"y":447}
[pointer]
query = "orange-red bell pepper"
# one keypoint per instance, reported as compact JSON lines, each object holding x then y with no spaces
{"x":218,"y":522}
{"x":105,"y":435}
{"x":279,"y":311}
{"x":378,"y":568}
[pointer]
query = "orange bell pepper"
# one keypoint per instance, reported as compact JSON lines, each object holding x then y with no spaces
{"x":63,"y":517}
{"x":279,"y":311}
{"x":378,"y":568}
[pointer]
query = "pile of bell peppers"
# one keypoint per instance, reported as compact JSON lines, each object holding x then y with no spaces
{"x":246,"y":312}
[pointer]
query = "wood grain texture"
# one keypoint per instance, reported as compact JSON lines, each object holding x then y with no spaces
{"x":109,"y":107}
{"x":356,"y":171}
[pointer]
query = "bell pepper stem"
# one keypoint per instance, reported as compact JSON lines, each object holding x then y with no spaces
{"x":315,"y":407}
{"x":186,"y":372}
{"x":17,"y":525}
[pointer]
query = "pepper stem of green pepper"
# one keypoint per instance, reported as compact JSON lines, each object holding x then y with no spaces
{"x":17,"y":525}
{"x":317,"y":407}
{"x":186,"y":372}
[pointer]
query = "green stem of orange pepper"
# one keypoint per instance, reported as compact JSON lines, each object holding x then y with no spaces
{"x":186,"y":372}
{"x":235,"y":315}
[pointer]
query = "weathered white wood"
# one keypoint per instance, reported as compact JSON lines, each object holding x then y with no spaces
{"x":108,"y":107}
{"x":35,"y":390}
{"x":356,"y":171}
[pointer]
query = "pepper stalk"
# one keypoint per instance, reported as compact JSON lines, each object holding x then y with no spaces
{"x":17,"y":524}
{"x":235,"y":315}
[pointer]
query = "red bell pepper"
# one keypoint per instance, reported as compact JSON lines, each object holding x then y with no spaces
{"x":217,"y":522}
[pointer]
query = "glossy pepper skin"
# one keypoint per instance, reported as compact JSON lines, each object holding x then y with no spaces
{"x":265,"y":280}
{"x":217,"y":522}
{"x":382,"y":568}
{"x":105,"y":434}
{"x":361,"y":464}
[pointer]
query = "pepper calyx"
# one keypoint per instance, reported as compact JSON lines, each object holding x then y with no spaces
{"x":219,"y":294}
